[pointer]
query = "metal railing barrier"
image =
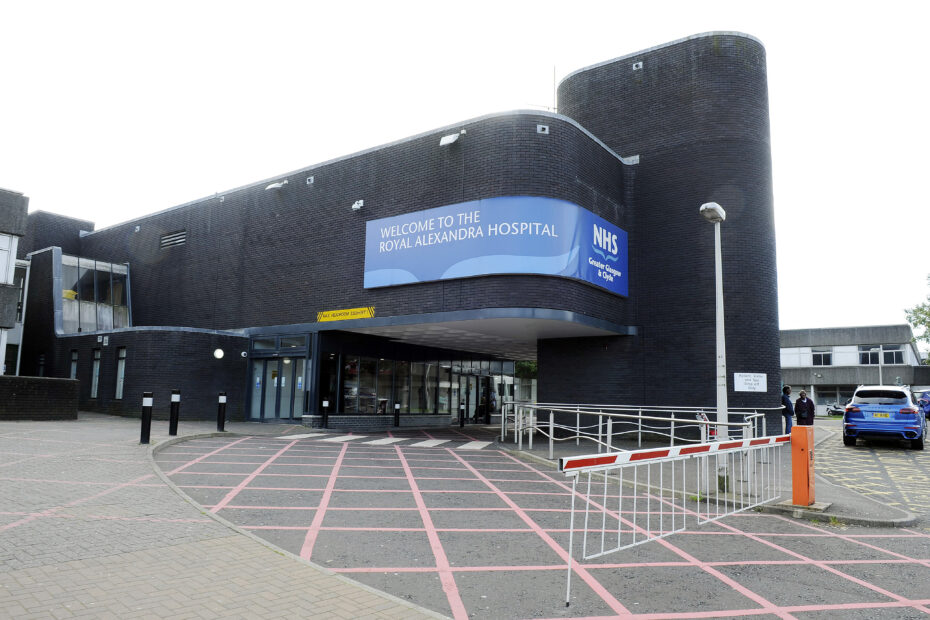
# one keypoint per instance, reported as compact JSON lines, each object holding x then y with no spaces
{"x":612,"y":422}
{"x":630,"y":498}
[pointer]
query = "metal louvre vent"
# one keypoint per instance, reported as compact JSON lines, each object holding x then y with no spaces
{"x":172,"y":239}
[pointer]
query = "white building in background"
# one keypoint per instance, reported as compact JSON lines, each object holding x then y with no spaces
{"x":831,"y":362}
{"x":13,"y":207}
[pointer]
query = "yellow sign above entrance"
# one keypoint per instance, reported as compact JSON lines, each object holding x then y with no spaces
{"x":344,"y":315}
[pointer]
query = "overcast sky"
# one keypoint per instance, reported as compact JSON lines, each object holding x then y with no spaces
{"x":111,"y":110}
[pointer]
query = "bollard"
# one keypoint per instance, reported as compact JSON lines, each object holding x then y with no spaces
{"x":325,"y":421}
{"x":461,"y":416}
{"x":147,"y":401}
{"x":175,"y":408}
{"x":396,"y":414}
{"x":221,"y":413}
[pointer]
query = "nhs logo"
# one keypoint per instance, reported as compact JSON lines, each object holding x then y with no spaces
{"x":605,"y":244}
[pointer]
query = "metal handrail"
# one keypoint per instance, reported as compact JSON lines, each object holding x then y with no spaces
{"x":526,"y":423}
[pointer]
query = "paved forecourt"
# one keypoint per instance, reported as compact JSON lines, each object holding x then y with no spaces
{"x":483,"y":534}
{"x":89,"y":530}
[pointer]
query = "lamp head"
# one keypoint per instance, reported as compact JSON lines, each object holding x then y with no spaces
{"x":713,"y":212}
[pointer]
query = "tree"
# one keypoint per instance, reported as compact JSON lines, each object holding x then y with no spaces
{"x":919,"y":318}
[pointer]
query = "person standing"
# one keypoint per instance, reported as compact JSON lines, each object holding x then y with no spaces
{"x":804,"y":407}
{"x":787,"y":410}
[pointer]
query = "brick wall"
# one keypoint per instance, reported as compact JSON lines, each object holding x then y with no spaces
{"x":258,"y":257}
{"x":159,"y":361}
{"x":35,"y":398}
{"x":696,"y":113}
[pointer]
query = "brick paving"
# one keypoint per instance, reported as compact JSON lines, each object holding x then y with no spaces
{"x":89,"y":530}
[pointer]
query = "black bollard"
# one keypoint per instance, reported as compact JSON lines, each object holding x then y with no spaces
{"x":147,"y":401}
{"x":324,"y":423}
{"x":221,"y":414}
{"x":461,"y":416}
{"x":175,"y":410}
{"x":396,"y":414}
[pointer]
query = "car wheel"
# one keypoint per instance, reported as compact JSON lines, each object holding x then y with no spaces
{"x":850,"y":441}
{"x":917,"y":444}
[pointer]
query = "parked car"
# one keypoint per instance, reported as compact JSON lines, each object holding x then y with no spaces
{"x":884,"y":412}
{"x":835,"y":409}
{"x":923,"y":401}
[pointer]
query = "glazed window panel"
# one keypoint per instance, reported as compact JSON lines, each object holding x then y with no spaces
{"x":385,"y":386}
{"x":367,"y":388}
{"x":443,"y":400}
{"x":402,"y":385}
{"x":104,"y":290}
{"x":350,"y":385}
{"x":95,"y":374}
{"x":120,"y":371}
{"x":120,"y":294}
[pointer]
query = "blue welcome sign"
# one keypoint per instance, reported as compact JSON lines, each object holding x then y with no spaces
{"x":508,"y":234}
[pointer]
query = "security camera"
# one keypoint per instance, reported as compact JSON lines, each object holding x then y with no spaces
{"x":244,"y":354}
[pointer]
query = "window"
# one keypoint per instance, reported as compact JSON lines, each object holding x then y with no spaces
{"x":19,"y":279}
{"x":892,"y":354}
{"x":868,"y":354}
{"x":120,"y":371}
{"x":350,"y":385}
{"x":74,"y":361}
{"x":822,"y":357}
{"x":95,"y":376}
{"x":7,"y":256}
{"x":94,"y":295}
{"x":385,"y":386}
{"x":367,"y":388}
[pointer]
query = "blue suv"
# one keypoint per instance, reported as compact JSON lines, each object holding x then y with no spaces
{"x":884,"y":412}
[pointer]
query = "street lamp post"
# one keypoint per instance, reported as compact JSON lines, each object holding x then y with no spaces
{"x":715,"y":214}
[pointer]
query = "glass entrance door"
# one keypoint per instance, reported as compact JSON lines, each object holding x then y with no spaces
{"x":277,"y":389}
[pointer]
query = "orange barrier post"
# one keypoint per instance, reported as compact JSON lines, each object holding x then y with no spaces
{"x":802,"y":465}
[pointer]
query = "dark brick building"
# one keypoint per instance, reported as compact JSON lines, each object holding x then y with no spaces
{"x":287,"y":279}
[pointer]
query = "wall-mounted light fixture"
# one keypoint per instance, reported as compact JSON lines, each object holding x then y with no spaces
{"x":449,"y":139}
{"x":357,"y":205}
{"x":277,"y":185}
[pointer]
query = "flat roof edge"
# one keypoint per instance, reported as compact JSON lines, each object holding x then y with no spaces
{"x":712,"y":33}
{"x":630,"y":160}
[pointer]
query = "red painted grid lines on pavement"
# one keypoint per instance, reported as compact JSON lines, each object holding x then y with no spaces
{"x":803,"y":560}
{"x":306,"y":551}
{"x":764,"y":603}
{"x":442,"y":561}
{"x":582,"y":572}
{"x":245,"y":482}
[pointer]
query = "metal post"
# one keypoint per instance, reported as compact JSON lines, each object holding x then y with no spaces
{"x":722,"y":418}
{"x":577,"y":426}
{"x":600,"y":433}
{"x":551,"y":435}
{"x":610,"y":434}
{"x":324,"y":423}
{"x":673,"y":428}
{"x":147,"y":401}
{"x":531,"y":429}
{"x":461,"y":416}
{"x":396,"y":414}
{"x":221,"y":413}
{"x":503,"y":419}
{"x":639,"y":429}
{"x":175,"y":412}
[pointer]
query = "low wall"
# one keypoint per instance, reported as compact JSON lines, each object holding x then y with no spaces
{"x":38,"y":398}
